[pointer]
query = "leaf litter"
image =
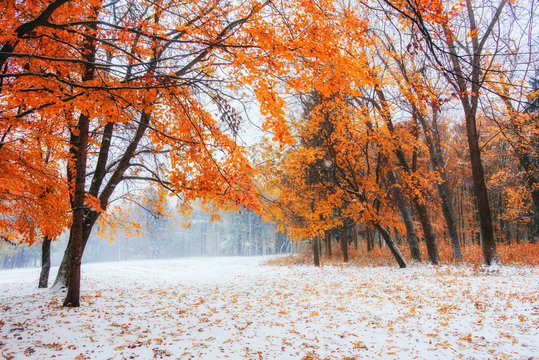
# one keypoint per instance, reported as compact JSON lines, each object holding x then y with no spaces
{"x":236,"y":308}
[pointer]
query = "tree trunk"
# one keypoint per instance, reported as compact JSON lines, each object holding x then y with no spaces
{"x":316,"y":254}
{"x":327,"y":234}
{"x":344,"y":243}
{"x":428,"y":232}
{"x":392,"y":246}
{"x":488,"y":244}
{"x":369,"y":238}
{"x":398,"y":236}
{"x":444,"y":193}
{"x":77,"y":227}
{"x":436,"y":158}
{"x":535,"y":197}
{"x":80,"y":149}
{"x":418,"y":203}
{"x":470,"y":99}
{"x":406,"y":215}
{"x":45,"y":263}
{"x":62,"y":277}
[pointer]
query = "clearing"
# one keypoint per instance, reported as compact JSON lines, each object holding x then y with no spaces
{"x":234,"y":308}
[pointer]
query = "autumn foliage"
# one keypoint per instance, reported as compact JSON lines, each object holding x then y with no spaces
{"x":377,"y":124}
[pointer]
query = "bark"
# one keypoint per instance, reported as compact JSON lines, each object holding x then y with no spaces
{"x":79,"y":146}
{"x":428,"y":232}
{"x":316,"y":254}
{"x":63,"y":276}
{"x":398,"y":236}
{"x":344,"y":243}
{"x":392,"y":246}
{"x":488,"y":244}
{"x":406,"y":215}
{"x":433,"y":144}
{"x":327,"y":234}
{"x":76,"y":234}
{"x":469,"y":101}
{"x":45,"y":262}
{"x":419,"y":205}
{"x":370,"y":244}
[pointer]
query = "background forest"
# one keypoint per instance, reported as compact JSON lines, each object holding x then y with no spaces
{"x":413,"y":125}
{"x":162,"y":237}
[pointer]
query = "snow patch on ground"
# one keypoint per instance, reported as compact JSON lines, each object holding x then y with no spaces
{"x":234,"y":308}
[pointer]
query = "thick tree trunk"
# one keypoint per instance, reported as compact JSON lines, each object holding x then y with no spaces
{"x":428,"y":232}
{"x":411,"y":235}
{"x":316,"y":254}
{"x":488,"y":244}
{"x":77,"y":227}
{"x":344,"y":243}
{"x":392,"y":246}
{"x":45,"y":262}
{"x":63,"y":275}
{"x":470,"y":101}
{"x":398,"y":236}
{"x":76,"y":237}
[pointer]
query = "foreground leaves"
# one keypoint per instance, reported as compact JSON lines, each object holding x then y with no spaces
{"x":232,"y":308}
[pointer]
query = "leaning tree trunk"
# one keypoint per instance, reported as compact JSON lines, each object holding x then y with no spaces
{"x":392,"y":246}
{"x":436,"y":158}
{"x":411,"y":235}
{"x":62,"y":276}
{"x":45,"y":262}
{"x":406,"y":215}
{"x":430,"y":237}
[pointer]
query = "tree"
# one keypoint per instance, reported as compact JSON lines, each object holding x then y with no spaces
{"x":114,"y":74}
{"x":327,"y":180}
{"x":467,"y":74}
{"x":425,"y":102}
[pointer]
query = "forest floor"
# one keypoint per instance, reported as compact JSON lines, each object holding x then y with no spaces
{"x":235,"y":308}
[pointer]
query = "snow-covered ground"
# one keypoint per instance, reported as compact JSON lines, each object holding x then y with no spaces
{"x":233,"y":308}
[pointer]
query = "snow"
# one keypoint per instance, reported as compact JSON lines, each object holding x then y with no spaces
{"x":235,"y":308}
